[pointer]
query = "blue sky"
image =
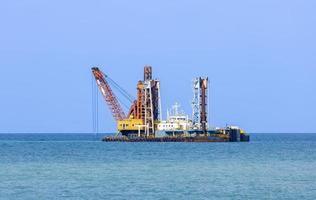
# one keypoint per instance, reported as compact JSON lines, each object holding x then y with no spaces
{"x":259,"y":56}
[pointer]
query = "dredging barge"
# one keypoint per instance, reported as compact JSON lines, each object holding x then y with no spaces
{"x":208,"y":138}
{"x":144,"y":122}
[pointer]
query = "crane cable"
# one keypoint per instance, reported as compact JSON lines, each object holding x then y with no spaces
{"x":92,"y":104}
{"x":122,"y":91}
{"x":95,"y":107}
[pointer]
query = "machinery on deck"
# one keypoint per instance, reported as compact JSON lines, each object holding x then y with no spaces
{"x":144,"y":112}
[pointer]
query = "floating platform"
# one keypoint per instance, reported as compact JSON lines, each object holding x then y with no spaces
{"x":212,"y":138}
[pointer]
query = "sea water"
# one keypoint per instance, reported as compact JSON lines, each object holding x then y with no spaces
{"x":80,"y":166}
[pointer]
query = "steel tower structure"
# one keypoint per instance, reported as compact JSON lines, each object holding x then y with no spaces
{"x":200,"y":104}
{"x":151,"y":102}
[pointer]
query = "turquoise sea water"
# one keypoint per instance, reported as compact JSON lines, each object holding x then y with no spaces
{"x":55,"y":166}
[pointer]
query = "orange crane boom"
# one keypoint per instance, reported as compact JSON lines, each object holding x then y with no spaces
{"x":108,"y":94}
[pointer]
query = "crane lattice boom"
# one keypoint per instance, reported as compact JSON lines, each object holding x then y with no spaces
{"x":108,"y":94}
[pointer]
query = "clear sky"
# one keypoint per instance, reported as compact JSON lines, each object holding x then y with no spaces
{"x":260,"y":56}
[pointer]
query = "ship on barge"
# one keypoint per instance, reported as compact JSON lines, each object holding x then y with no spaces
{"x":144,"y":122}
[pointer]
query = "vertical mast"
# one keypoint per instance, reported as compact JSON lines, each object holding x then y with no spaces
{"x":204,"y":88}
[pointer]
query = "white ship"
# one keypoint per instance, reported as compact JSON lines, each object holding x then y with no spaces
{"x":177,"y":122}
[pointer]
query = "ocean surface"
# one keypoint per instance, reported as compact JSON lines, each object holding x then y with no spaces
{"x":80,"y":166}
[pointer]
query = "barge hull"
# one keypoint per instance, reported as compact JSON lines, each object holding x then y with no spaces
{"x":166,"y":139}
